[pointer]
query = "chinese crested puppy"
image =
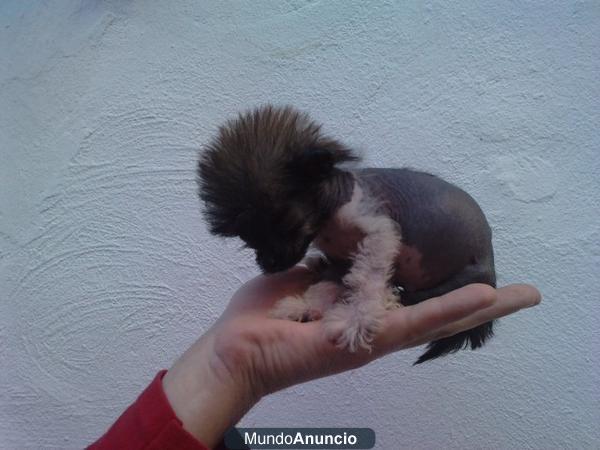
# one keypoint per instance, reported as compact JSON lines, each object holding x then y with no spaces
{"x":385,"y":237}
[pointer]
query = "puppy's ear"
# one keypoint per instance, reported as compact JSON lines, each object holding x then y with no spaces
{"x":318,"y":162}
{"x":314,"y":164}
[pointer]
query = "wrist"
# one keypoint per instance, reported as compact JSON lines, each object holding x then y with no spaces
{"x":207,"y":399}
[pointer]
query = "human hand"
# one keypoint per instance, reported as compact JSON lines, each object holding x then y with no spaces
{"x":247,"y":354}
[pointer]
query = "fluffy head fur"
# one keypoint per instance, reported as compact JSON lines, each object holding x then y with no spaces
{"x":269,"y":177}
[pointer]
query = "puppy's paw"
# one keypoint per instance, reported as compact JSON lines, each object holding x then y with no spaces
{"x":294,"y":308}
{"x":393,"y":297}
{"x":353,"y":325}
{"x":321,"y":296}
{"x":315,"y":262}
{"x":310,"y":305}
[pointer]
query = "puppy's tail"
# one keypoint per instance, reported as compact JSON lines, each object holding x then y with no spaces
{"x":474,"y":338}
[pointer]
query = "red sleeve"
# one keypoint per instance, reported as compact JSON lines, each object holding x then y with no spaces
{"x":150,"y":424}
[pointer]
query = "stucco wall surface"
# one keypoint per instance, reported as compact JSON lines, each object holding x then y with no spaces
{"x":107,"y":271}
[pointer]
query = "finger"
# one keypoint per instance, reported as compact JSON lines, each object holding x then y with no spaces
{"x":405,"y":327}
{"x":294,"y":281}
{"x":438,"y":317}
{"x":510,"y":299}
{"x":408,"y":325}
{"x":263,"y":291}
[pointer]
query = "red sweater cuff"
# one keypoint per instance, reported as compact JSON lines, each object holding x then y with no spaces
{"x":150,"y":424}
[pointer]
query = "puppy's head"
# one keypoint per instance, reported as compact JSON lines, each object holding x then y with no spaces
{"x":264,"y":179}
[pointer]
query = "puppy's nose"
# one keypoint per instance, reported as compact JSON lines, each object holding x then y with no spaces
{"x":267,"y":262}
{"x":270,"y":261}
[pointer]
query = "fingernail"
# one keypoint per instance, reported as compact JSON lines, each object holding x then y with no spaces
{"x":536,"y":301}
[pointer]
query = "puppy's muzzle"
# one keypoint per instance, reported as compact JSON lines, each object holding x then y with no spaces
{"x":270,"y":263}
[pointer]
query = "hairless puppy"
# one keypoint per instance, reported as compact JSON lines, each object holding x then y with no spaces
{"x":386,"y":237}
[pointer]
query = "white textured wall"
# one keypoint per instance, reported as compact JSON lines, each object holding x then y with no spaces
{"x":107,"y":271}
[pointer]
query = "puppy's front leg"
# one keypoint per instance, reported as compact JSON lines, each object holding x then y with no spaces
{"x":308,"y":306}
{"x":354,"y":321}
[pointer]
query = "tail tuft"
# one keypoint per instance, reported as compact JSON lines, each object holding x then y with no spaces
{"x":475,"y":337}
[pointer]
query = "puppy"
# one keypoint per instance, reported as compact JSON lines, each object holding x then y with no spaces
{"x":386,"y":237}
